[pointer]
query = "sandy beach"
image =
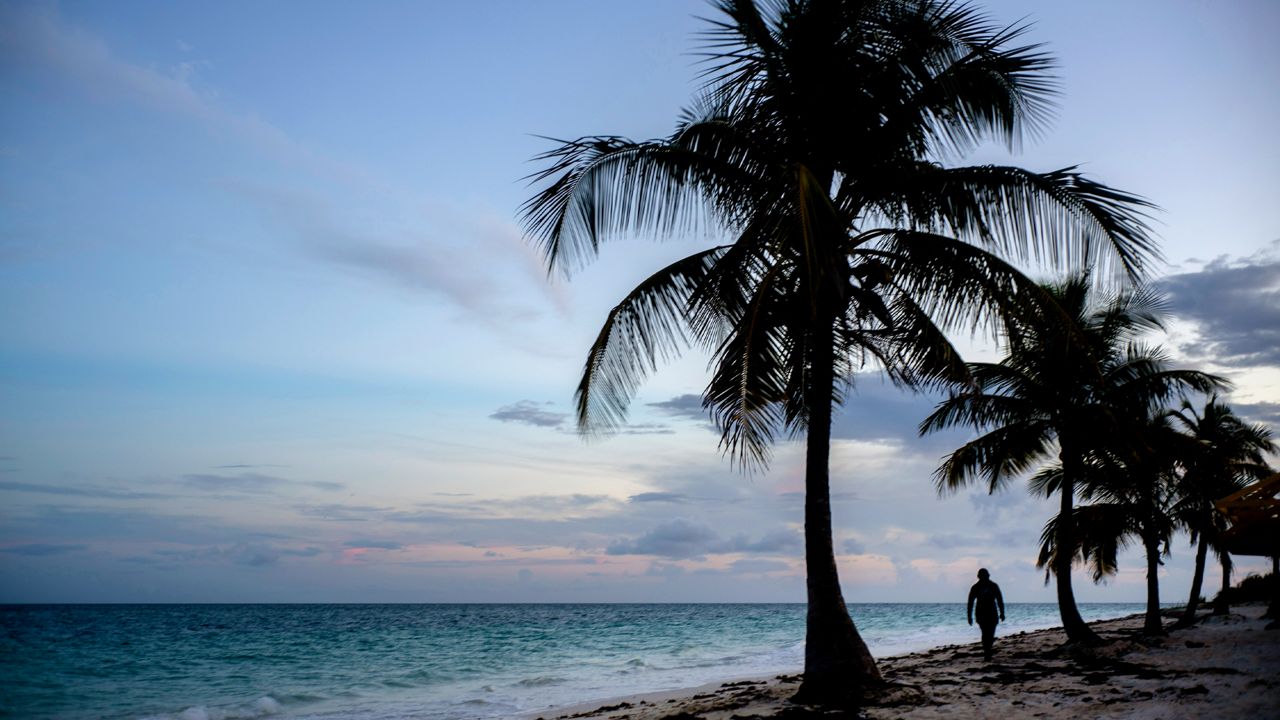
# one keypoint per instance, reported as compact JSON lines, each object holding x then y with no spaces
{"x":1222,"y":667}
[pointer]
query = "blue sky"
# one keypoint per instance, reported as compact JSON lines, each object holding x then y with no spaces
{"x":270,"y":331}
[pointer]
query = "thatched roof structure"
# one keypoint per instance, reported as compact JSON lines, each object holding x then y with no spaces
{"x":1254,"y":514}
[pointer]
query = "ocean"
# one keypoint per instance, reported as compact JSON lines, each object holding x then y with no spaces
{"x":428,"y":662}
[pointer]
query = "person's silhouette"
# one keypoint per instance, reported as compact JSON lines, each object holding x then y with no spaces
{"x":986,"y":595}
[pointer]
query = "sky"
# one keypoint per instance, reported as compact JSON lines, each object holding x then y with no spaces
{"x":270,"y":330}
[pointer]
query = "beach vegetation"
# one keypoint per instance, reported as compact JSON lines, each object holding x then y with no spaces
{"x":1252,"y":588}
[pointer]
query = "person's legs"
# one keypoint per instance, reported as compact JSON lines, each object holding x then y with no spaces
{"x":988,"y":638}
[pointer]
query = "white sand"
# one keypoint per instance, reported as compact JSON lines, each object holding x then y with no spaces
{"x":1223,"y":668}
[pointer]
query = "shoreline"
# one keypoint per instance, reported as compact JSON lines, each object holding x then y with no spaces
{"x":1225,"y":667}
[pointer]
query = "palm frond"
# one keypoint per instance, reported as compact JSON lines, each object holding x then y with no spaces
{"x":750,"y":378}
{"x":980,"y":410}
{"x":1099,"y":532}
{"x":1059,"y":217}
{"x":1047,"y":481}
{"x":972,"y":83}
{"x":647,"y":327}
{"x":961,"y":286}
{"x":605,"y":186}
{"x":1000,"y":455}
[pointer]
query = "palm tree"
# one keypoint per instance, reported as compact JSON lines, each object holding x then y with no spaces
{"x":811,"y":152}
{"x":1132,"y":485}
{"x":1229,"y":453}
{"x":1072,"y":372}
{"x":1145,"y":481}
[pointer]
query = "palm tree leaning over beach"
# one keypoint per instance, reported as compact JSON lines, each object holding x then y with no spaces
{"x":1071,"y":368}
{"x":811,"y":154}
{"x":1229,"y":453}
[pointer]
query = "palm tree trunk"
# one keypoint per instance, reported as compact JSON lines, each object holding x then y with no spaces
{"x":1197,"y":581}
{"x":837,"y":663}
{"x":1152,"y":625}
{"x":1076,"y":628}
{"x":1221,"y":605}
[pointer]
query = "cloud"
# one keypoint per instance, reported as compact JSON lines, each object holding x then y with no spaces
{"x":414,"y":265}
{"x":41,"y":549}
{"x":530,"y":413}
{"x":96,"y":524}
{"x":1001,"y":507}
{"x":775,"y":542}
{"x":529,"y":517}
{"x":550,"y":506}
{"x":1262,"y":412}
{"x":374,"y":544}
{"x":251,"y":483}
{"x":255,"y":555}
{"x":670,"y":497}
{"x":249,"y":554}
{"x":756,"y":566}
{"x":245,"y":466}
{"x":1235,"y":306}
{"x":955,"y":572}
{"x":689,"y":406}
{"x":681,"y":539}
{"x":471,"y":257}
{"x":646,"y":429}
{"x":947,"y":541}
{"x":678,"y":538}
{"x":853,"y":546}
{"x":85,"y":491}
{"x":876,"y":410}
{"x":340,"y":513}
{"x":669,"y":571}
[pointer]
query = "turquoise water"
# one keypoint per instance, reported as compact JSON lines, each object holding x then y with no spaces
{"x":434,"y":662}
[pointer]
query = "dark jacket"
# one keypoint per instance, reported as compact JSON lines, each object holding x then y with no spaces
{"x":987,"y":596}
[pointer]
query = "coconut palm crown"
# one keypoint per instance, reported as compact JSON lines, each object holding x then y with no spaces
{"x":814,"y":154}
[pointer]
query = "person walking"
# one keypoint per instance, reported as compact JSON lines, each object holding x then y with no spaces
{"x":986,"y":595}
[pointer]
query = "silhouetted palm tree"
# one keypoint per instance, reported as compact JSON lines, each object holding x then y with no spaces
{"x":812,"y":153}
{"x":1072,"y":370}
{"x":1132,"y":486}
{"x":1229,"y":454}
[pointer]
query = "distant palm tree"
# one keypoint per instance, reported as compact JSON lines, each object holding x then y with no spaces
{"x":1073,"y":369}
{"x":1131,"y":484}
{"x":1229,"y":454}
{"x":811,"y":153}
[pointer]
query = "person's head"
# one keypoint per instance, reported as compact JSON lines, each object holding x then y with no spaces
{"x":983,"y":574}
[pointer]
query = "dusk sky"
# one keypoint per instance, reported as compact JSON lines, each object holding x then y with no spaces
{"x":270,"y":332}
